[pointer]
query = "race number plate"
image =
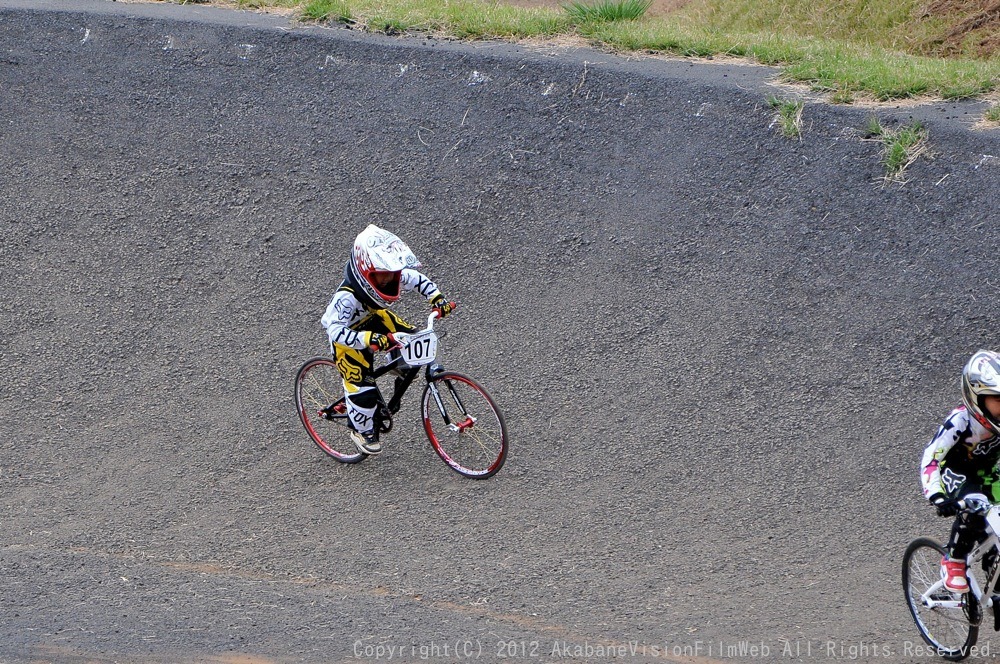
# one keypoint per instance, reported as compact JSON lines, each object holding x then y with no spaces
{"x":420,"y":348}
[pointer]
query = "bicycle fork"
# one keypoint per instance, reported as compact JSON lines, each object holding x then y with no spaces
{"x":467,"y":422}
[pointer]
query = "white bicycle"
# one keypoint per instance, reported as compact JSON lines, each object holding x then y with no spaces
{"x":949,"y":622}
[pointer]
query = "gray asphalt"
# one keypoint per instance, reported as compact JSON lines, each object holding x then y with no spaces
{"x":720,"y":351}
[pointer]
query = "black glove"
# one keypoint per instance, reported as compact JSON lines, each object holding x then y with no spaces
{"x":442,"y":306}
{"x":380,"y":342}
{"x":945,"y":506}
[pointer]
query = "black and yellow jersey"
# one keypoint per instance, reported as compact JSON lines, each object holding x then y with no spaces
{"x":349,"y":310}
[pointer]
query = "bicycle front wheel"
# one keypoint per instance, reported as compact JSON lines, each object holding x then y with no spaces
{"x":318,"y":391}
{"x":948,"y":622}
{"x":464,"y":425}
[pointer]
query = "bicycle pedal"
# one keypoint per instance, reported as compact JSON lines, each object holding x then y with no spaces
{"x":332,"y":411}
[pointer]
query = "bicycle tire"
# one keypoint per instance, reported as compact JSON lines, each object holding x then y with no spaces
{"x":950,"y":631}
{"x":317,"y":387}
{"x":478,"y":449}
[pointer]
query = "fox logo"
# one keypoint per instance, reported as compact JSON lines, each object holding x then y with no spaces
{"x":952,"y":480}
{"x":984,"y":448}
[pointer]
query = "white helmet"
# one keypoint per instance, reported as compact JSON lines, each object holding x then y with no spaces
{"x":378,"y":258}
{"x":981,"y":378}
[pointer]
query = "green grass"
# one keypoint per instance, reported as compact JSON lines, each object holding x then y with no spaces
{"x":255,"y":4}
{"x":789,"y":116}
{"x":328,"y":10}
{"x":873,"y":128}
{"x":992,"y":114}
{"x":900,"y":147}
{"x":607,"y":11}
{"x":889,"y":24}
{"x":852,"y":49}
{"x":464,"y":19}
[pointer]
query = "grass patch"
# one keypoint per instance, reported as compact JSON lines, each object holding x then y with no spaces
{"x":607,"y":11}
{"x":873,"y":128}
{"x":851,"y":49}
{"x":464,"y":19}
{"x":503,"y":22}
{"x":992,"y":114}
{"x":327,"y":10}
{"x":886,"y":23}
{"x":900,"y":147}
{"x":883,"y":75}
{"x":260,"y":4}
{"x":842,"y":96}
{"x":789,"y":117}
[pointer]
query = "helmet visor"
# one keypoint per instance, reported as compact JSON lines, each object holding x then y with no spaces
{"x":989,"y":404}
{"x":386,"y":283}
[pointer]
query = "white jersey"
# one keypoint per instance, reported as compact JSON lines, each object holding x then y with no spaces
{"x":962,"y":449}
{"x":346,"y":310}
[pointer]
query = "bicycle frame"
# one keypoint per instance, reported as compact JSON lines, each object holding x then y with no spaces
{"x":409,"y":373}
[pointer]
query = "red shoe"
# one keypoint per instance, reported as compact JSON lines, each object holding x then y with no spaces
{"x":953,"y":573}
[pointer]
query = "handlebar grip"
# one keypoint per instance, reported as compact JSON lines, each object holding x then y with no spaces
{"x":975,"y":503}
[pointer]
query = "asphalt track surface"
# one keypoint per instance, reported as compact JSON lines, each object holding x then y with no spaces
{"x":720,"y":351}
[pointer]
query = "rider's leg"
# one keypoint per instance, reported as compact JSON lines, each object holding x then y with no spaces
{"x":966,"y":531}
{"x":362,"y":400}
{"x":360,"y":393}
{"x":360,"y":396}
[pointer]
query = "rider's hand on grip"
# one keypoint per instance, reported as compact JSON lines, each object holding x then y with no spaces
{"x":442,"y":306}
{"x":946,"y":506}
{"x":383,"y":342}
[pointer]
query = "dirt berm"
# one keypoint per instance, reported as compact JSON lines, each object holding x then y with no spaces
{"x":720,"y":351}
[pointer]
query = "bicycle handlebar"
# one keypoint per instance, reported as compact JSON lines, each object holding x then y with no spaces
{"x":974,"y":503}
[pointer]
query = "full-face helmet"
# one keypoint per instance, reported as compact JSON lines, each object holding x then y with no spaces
{"x":981,"y":378}
{"x":376,"y":262}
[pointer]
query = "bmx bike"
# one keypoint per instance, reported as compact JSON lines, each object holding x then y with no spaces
{"x":949,"y":622}
{"x":460,"y":418}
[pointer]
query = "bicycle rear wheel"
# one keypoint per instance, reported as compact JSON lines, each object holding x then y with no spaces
{"x":464,"y":425}
{"x":318,"y":392}
{"x":948,"y":622}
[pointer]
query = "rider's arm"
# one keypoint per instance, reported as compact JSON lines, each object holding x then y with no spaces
{"x":948,"y":434}
{"x":412,"y":280}
{"x":343,"y":310}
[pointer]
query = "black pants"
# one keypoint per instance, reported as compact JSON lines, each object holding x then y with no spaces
{"x":968,"y":529}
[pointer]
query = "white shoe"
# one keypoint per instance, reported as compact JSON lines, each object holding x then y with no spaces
{"x":366,"y":442}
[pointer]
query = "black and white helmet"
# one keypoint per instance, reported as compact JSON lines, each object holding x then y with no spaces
{"x":981,"y":378}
